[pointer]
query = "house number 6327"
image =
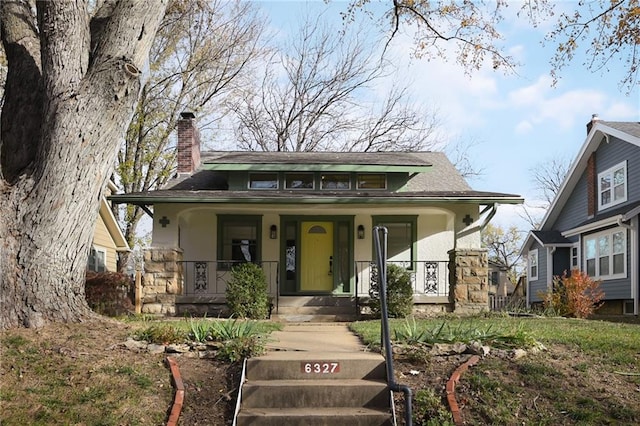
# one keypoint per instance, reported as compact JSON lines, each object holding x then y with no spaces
{"x":320,"y":367}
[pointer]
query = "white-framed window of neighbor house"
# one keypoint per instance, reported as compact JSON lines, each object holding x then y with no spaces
{"x":612,"y":186}
{"x":605,"y":254}
{"x":574,"y":260}
{"x":533,"y":265}
{"x":97,"y":259}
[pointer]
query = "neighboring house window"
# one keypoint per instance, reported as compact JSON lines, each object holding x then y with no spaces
{"x":401,"y":238}
{"x":263,"y":180}
{"x":336,"y":181}
{"x":606,"y":254}
{"x":298,"y":180}
{"x":97,"y":259}
{"x":239,"y":239}
{"x":494,"y":278}
{"x":612,"y":186}
{"x":372,"y":181}
{"x":575,"y":257}
{"x":533,"y":265}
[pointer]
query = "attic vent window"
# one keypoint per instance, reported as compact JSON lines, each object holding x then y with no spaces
{"x":263,"y":181}
{"x":372,"y":181}
{"x":298,"y":180}
{"x":612,"y":186}
{"x":336,"y":181}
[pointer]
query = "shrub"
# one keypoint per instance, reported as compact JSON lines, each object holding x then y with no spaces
{"x":247,"y":292}
{"x":399,"y":293}
{"x":576,"y":295}
{"x":107,"y":293}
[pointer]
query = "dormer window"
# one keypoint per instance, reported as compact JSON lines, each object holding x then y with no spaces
{"x":263,"y":181}
{"x":298,"y":180}
{"x":612,"y":186}
{"x":336,"y":181}
{"x":372,"y":181}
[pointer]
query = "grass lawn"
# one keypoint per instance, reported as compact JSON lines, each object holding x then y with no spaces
{"x":589,"y":373}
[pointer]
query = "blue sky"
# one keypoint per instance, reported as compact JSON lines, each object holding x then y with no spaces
{"x":516,"y":121}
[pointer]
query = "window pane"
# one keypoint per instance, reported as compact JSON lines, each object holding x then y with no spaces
{"x":604,"y":266}
{"x":605,"y":182}
{"x":618,"y":177}
{"x":239,"y":240}
{"x":299,"y":181}
{"x":399,"y":241}
{"x":591,"y":267}
{"x":263,"y":181}
{"x":605,"y":197}
{"x":534,"y":271}
{"x":590,"y":248}
{"x":372,"y":181}
{"x":336,"y":181}
{"x":618,"y":242}
{"x":618,"y":263}
{"x":603,"y":246}
{"x":619,"y":192}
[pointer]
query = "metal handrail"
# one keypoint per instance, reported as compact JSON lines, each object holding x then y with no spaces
{"x":381,"y":258}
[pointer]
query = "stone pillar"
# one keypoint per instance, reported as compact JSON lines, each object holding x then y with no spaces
{"x":468,"y":277}
{"x":162,"y":280}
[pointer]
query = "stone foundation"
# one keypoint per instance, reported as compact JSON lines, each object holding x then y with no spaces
{"x":162,"y":281}
{"x":468,"y":278}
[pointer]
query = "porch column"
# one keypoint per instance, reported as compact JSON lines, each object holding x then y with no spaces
{"x":468,"y":278}
{"x":162,"y":280}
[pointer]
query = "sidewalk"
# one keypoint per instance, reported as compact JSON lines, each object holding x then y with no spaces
{"x":315,"y":337}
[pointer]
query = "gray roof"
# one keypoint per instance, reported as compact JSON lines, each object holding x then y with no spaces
{"x":438,"y":182}
{"x":629,"y":127}
{"x":551,"y":237}
{"x":360,"y":158}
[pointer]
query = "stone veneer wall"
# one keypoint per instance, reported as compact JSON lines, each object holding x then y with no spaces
{"x":162,"y":281}
{"x":469,"y":280}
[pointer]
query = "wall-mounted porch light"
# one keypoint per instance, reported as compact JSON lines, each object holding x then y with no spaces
{"x":360,"y":232}
{"x":273,"y":232}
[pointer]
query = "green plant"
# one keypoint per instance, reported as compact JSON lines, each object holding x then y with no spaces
{"x":575,"y":295}
{"x":199,"y":331}
{"x":399,"y":293}
{"x":107,"y":293}
{"x":241,"y":347}
{"x":161,"y":334}
{"x":247,"y":292}
{"x":429,"y":409}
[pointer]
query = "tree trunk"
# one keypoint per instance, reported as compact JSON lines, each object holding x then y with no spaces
{"x":49,"y":205}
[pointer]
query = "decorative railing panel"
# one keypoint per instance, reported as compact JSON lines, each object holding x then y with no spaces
{"x":209,"y":278}
{"x":428,"y":278}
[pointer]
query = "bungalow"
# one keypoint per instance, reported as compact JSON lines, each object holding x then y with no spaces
{"x":308,"y":218}
{"x":592,"y":224}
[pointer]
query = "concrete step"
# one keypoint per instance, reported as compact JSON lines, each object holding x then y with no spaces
{"x":314,"y":393}
{"x":315,"y":310}
{"x":336,"y":301}
{"x":314,"y":417}
{"x":310,"y":317}
{"x":291,"y":365}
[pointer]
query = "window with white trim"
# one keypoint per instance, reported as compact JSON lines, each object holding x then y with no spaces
{"x":612,"y":186}
{"x":97,"y":259}
{"x":533,"y":265}
{"x":575,"y":256}
{"x":605,"y":254}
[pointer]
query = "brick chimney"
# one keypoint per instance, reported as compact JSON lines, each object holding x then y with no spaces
{"x":188,"y":143}
{"x":594,"y":118}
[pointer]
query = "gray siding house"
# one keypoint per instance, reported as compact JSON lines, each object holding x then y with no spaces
{"x":592,"y":224}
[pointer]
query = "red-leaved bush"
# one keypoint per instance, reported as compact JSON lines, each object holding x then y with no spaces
{"x":576,"y":295}
{"x":107,"y":293}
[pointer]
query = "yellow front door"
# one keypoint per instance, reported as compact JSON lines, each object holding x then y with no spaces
{"x":316,"y":257}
